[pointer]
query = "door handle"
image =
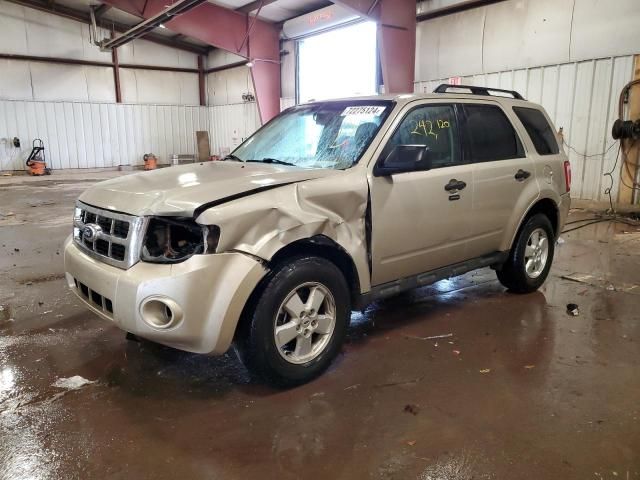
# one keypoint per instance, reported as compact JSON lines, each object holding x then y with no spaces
{"x":522,"y":175}
{"x":455,"y":185}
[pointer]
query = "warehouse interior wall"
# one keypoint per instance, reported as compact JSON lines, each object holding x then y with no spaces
{"x":233,"y":111}
{"x":571,"y":56}
{"x":73,"y":109}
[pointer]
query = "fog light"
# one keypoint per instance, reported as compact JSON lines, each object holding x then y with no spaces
{"x":161,"y":312}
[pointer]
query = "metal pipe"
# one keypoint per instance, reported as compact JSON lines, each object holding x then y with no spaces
{"x":83,"y":17}
{"x":250,"y":28}
{"x":151,"y":23}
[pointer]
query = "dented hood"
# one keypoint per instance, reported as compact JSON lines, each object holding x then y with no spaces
{"x":181,"y":190}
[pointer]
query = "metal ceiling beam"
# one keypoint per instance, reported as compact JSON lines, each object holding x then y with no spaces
{"x":250,"y":7}
{"x":467,"y":5}
{"x":396,"y":21}
{"x":100,"y":10}
{"x":227,"y":29}
{"x":84,"y":17}
{"x":145,"y":27}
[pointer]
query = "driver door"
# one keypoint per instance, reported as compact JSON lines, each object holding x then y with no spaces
{"x":417,"y":224}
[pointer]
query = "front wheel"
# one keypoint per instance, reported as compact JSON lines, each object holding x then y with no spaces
{"x":296,"y":326}
{"x":530,"y":258}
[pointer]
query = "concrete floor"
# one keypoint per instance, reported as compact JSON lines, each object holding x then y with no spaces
{"x":521,"y":390}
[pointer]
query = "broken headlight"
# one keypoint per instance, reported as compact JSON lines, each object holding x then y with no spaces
{"x":172,"y":240}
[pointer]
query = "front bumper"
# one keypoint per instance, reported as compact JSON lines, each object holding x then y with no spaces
{"x":211,"y":291}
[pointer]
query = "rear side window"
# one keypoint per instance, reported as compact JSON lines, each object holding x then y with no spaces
{"x":491,"y":135}
{"x":538,"y":129}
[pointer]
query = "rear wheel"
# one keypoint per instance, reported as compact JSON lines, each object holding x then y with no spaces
{"x":530,"y":258}
{"x":297,"y":325}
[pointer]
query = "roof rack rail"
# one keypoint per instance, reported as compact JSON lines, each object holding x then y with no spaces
{"x":477,"y":90}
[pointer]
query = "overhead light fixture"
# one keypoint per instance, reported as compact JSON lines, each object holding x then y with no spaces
{"x":162,"y":26}
{"x":249,"y":64}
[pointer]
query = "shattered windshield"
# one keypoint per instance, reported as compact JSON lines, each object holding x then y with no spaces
{"x":321,"y":135}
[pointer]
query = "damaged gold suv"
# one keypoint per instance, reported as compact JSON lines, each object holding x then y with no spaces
{"x":328,"y":207}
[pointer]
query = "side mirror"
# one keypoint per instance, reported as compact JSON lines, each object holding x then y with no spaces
{"x":403,"y":158}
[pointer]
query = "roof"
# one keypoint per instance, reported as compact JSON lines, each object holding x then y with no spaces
{"x":405,"y":98}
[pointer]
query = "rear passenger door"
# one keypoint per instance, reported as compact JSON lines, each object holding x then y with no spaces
{"x":503,"y":176}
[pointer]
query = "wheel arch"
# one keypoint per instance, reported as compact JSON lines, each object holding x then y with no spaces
{"x":318,"y":245}
{"x":323,"y":247}
{"x":548,"y":207}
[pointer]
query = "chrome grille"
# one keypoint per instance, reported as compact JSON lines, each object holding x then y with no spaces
{"x":110,"y":237}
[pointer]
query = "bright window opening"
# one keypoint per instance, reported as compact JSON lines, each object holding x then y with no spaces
{"x":337,"y":64}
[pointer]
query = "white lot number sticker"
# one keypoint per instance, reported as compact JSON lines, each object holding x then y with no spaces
{"x":375,"y":110}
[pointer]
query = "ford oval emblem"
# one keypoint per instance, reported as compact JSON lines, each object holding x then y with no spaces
{"x":90,"y":232}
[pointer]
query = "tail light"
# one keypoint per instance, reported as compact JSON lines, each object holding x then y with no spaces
{"x":567,"y":175}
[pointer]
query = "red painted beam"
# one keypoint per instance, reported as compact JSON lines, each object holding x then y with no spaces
{"x":396,"y":21}
{"x":227,"y":29}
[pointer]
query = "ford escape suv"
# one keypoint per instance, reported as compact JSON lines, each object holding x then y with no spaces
{"x":328,"y":207}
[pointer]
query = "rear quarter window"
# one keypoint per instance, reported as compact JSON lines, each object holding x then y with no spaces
{"x":539,"y":130}
{"x":491,"y":134}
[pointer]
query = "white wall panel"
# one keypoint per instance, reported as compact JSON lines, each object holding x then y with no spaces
{"x":580,"y":97}
{"x":459,"y":47}
{"x":100,"y":84}
{"x":15,"y":80}
{"x":150,"y":86}
{"x":94,"y":135}
{"x":143,"y":52}
{"x":13,"y":36}
{"x":52,"y":82}
{"x":25,"y":31}
{"x":40,"y":81}
{"x":288,"y":70}
{"x":231,"y":124}
{"x":604,"y":27}
{"x":220,"y":58}
{"x":228,"y":86}
{"x":523,"y":34}
{"x":286,"y":102}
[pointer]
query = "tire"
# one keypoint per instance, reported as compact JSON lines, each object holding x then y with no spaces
{"x":283,"y":349}
{"x":517,"y":274}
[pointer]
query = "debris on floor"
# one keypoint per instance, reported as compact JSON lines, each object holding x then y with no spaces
{"x":72,"y":383}
{"x":432,"y":337}
{"x":485,"y":370}
{"x":412,"y":409}
{"x":572,"y":309}
{"x":601,"y":282}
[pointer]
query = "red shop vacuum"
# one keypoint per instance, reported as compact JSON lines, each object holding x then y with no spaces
{"x":37,"y":161}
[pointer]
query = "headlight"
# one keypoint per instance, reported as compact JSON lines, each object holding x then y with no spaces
{"x":172,"y":240}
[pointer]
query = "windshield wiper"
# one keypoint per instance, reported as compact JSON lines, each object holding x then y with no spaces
{"x":231,"y":156}
{"x":273,"y":160}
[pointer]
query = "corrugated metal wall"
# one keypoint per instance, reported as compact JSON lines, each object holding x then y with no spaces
{"x":580,"y":97}
{"x":95,"y":135}
{"x":231,"y":125}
